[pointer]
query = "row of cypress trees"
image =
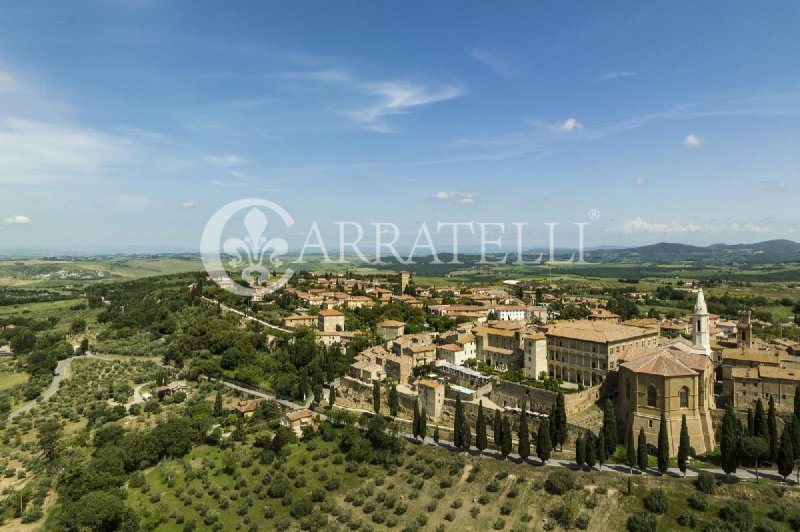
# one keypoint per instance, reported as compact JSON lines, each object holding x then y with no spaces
{"x":552,"y":431}
{"x":759,"y":441}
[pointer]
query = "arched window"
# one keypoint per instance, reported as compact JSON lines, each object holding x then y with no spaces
{"x":652,"y":396}
{"x":684,"y":396}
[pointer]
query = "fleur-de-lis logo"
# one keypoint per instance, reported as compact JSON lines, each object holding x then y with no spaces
{"x":255,"y":246}
{"x":253,"y":255}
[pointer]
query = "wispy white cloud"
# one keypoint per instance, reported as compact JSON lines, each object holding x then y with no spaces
{"x":641,"y":226}
{"x":465,"y":198}
{"x":225,"y":160}
{"x":500,"y":61}
{"x":42,"y":152}
{"x":692,"y":141}
{"x":608,"y":76}
{"x":385,"y":98}
{"x":17,"y":219}
{"x":640,"y":181}
{"x":567,"y":126}
{"x":6,"y":79}
{"x":187,"y":205}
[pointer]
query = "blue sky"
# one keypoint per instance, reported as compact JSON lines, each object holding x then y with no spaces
{"x":129,"y":122}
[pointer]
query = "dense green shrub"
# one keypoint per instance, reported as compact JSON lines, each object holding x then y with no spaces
{"x":560,"y":482}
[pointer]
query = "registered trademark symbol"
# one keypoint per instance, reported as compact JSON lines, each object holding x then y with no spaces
{"x":594,"y":214}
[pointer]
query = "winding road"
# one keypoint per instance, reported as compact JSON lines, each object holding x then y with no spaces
{"x":63,"y":367}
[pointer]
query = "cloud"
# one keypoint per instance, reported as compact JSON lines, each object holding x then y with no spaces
{"x":386,"y":98}
{"x":567,"y":126}
{"x":608,"y":76}
{"x":225,"y":160}
{"x":692,"y":141}
{"x":465,"y":198}
{"x":39,"y":152}
{"x":6,"y":79}
{"x":187,"y":205}
{"x":774,"y":186}
{"x":500,"y":61}
{"x":640,"y":226}
{"x":640,"y":181}
{"x":17,"y":219}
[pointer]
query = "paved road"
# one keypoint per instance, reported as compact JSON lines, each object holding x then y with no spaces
{"x":742,"y":473}
{"x":51,"y":390}
{"x":246,"y":316}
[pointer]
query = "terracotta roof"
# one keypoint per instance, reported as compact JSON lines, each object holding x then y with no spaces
{"x":745,"y":373}
{"x":786,"y":374}
{"x":596,"y":331}
{"x":669,"y":361}
{"x":330,"y":312}
{"x":451,"y":347}
{"x":660,"y":363}
{"x":391,"y":323}
{"x":421,"y":348}
{"x":749,"y":356}
{"x":297,"y":415}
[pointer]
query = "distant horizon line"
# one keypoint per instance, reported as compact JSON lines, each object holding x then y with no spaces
{"x":110,"y":250}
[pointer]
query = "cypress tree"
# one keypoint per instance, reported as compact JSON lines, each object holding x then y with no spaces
{"x":591,"y":450}
{"x":728,"y":441}
{"x":423,"y":423}
{"x":481,"y":440}
{"x":785,"y":455}
{"x":560,"y":421}
{"x":376,"y":397}
{"x":218,"y":403}
{"x":543,"y":443}
{"x":394,"y":401}
{"x":760,"y":427}
{"x":507,"y":445}
{"x":457,"y":424}
{"x":331,"y":396}
{"x":609,"y":433}
{"x":497,"y":427}
{"x":751,"y":431}
{"x":466,"y":431}
{"x":797,"y":402}
{"x":630,"y":449}
{"x":415,"y":420}
{"x":641,"y":451}
{"x":436,"y":434}
{"x":772,"y":428}
{"x":663,"y":446}
{"x":580,"y":451}
{"x":524,"y":437}
{"x":601,"y":452}
{"x":684,"y":446}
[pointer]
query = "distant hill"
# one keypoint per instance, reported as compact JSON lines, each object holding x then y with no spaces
{"x":768,"y":252}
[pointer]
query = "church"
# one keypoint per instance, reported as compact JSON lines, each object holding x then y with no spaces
{"x":676,"y":379}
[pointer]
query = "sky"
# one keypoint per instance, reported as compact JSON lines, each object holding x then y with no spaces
{"x":128,"y":123}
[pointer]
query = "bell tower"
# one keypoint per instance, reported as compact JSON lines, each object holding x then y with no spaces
{"x":701,"y":338}
{"x":744,"y":330}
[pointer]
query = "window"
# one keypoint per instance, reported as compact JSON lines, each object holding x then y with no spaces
{"x":651,"y":396}
{"x":684,"y":397}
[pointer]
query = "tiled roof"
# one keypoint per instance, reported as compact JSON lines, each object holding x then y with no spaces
{"x":330,"y":312}
{"x":669,"y":361}
{"x":391,"y":323}
{"x":596,"y":331}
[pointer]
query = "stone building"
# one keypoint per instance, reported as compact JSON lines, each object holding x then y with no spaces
{"x":584,"y":351}
{"x":391,"y":329}
{"x":330,"y":320}
{"x":675,"y":380}
{"x":534,"y":346}
{"x":431,"y":395}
